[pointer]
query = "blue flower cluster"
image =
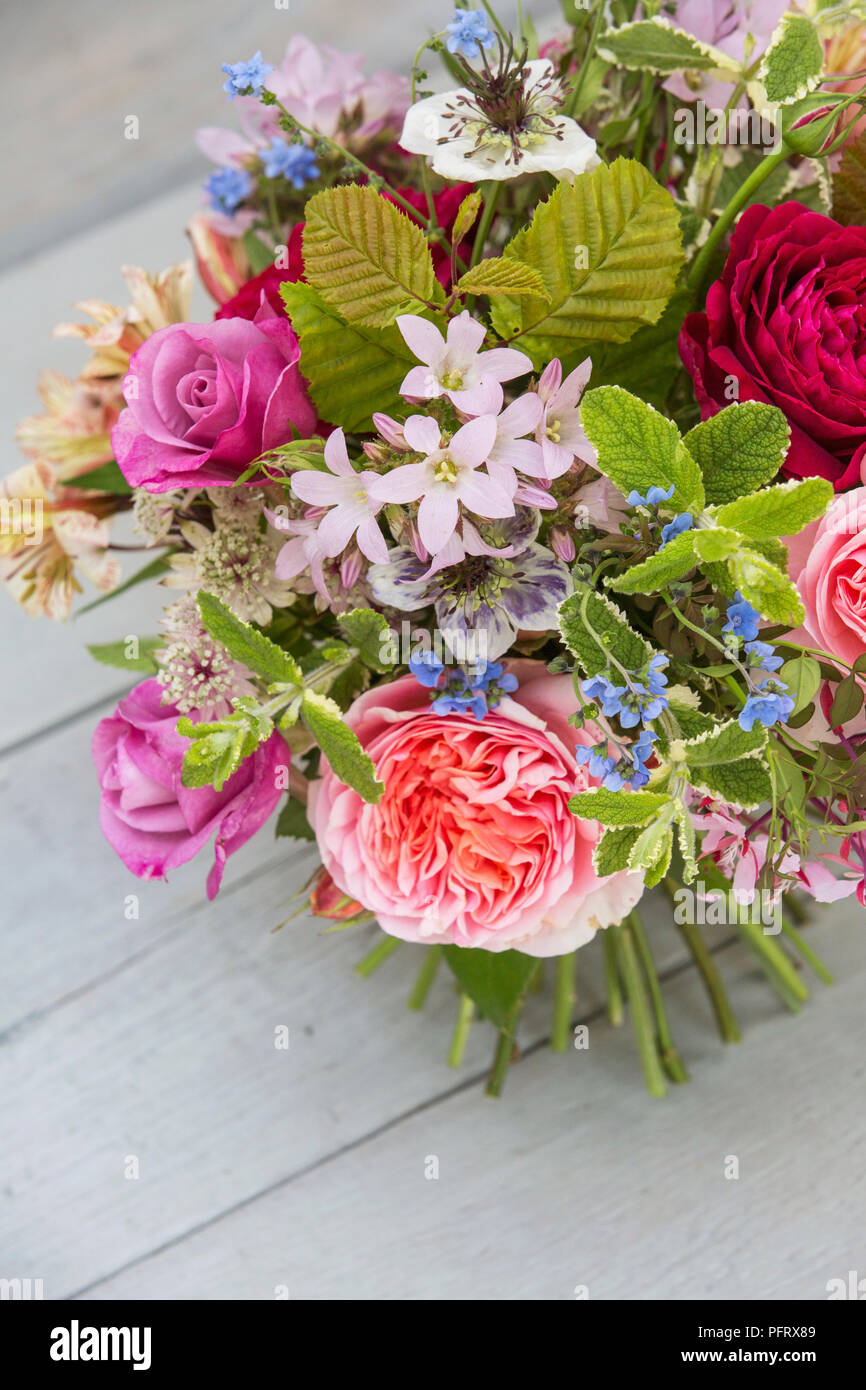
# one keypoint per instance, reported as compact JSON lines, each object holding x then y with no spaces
{"x":296,"y":163}
{"x":768,"y":701}
{"x":639,"y":701}
{"x":616,"y":773}
{"x":462,"y":691}
{"x":742,"y":619}
{"x":768,"y":704}
{"x":227,"y":188}
{"x":246,"y":79}
{"x":682,"y":521}
{"x":468,"y":33}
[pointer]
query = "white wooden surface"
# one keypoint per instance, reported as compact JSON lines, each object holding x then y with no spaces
{"x":262,"y":1169}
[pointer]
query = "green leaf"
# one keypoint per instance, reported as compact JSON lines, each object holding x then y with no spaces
{"x":686,"y":838}
{"x":258,"y":254}
{"x":794,"y":60}
{"x":219,"y":749}
{"x":847,"y":702}
{"x":585,"y":613}
{"x":153,"y":570}
{"x":777,"y":511}
{"x":725,"y":744}
{"x":648,"y":364}
{"x":744,"y":784}
{"x":618,"y":809}
{"x":106,"y":478}
{"x":340,"y":745}
{"x":610,"y":855}
{"x":495,"y":980}
{"x":672,"y":562}
{"x":501,"y":275}
{"x":714,"y":543}
{"x":115,"y":653}
{"x":849,"y":184}
{"x":366,"y":258}
{"x":654,"y":45}
{"x":608,"y":250}
{"x":467,"y":216}
{"x":370,"y":633}
{"x":292,"y":821}
{"x":246,"y":644}
{"x":739,"y":449}
{"x":352,"y":370}
{"x":767,"y":589}
{"x":638,"y":448}
{"x":802,"y":676}
{"x":654,"y":842}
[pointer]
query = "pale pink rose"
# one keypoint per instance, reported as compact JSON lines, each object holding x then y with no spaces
{"x":473,"y":843}
{"x":827,"y":562}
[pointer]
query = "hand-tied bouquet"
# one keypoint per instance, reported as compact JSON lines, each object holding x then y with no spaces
{"x":514,"y":497}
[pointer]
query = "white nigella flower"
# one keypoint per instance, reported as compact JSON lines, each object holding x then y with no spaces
{"x":503,"y":123}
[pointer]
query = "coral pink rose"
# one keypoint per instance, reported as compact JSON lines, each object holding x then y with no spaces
{"x":205,"y":399}
{"x":148,"y":817}
{"x":787,"y":323}
{"x":473,"y":843}
{"x":827,"y":562}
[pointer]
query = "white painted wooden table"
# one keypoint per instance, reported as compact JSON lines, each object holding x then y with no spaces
{"x":263,"y":1169}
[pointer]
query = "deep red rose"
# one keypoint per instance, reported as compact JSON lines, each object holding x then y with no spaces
{"x":787,"y":321}
{"x":245,"y":303}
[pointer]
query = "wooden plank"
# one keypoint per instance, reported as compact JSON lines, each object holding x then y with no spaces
{"x":577,"y":1179}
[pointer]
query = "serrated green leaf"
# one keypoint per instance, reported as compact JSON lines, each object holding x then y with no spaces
{"x":246,"y":644}
{"x":608,"y":249}
{"x":610,"y":855}
{"x":669,"y":564}
{"x":502,"y":275}
{"x":638,"y":448}
{"x":659,"y":869}
{"x":369,"y":632}
{"x":352,"y":370}
{"x":292,"y":821}
{"x":467,"y":216}
{"x":686,"y":838}
{"x":617,"y":809}
{"x":691,"y":721}
{"x":654,"y":45}
{"x":366,"y":258}
{"x":794,"y":61}
{"x":114,"y":654}
{"x":585,"y":612}
{"x":218,"y":749}
{"x":739,"y":449}
{"x":725,"y":744}
{"x":340,"y":745}
{"x":495,"y":980}
{"x":714,"y":543}
{"x":769,"y":591}
{"x":653,"y":844}
{"x":744,"y":784}
{"x":782,"y":510}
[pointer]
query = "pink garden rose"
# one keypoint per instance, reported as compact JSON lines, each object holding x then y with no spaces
{"x":151,"y":820}
{"x":473,"y":843}
{"x":205,"y":399}
{"x":827,"y":562}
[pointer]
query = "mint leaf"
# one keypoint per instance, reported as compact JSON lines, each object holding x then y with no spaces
{"x":246,"y":644}
{"x":610,"y":855}
{"x":782,"y":510}
{"x":340,"y":745}
{"x":654,"y":45}
{"x":586,"y":612}
{"x":219,"y":748}
{"x":670,"y":563}
{"x":725,"y":744}
{"x":744,"y":784}
{"x":618,"y":809}
{"x":369,"y":632}
{"x":739,"y":449}
{"x":639,"y":448}
{"x":792,"y":65}
{"x":768,"y":590}
{"x":495,"y":980}
{"x":714,"y":543}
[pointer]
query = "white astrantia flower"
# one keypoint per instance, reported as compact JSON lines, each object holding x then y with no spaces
{"x":503,"y":123}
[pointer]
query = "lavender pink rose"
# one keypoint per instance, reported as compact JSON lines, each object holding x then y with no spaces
{"x":787,"y":324}
{"x":204,"y":400}
{"x":148,"y":817}
{"x":473,"y":842}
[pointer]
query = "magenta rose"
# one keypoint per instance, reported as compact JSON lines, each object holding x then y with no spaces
{"x":205,"y":399}
{"x":473,"y":842}
{"x":787,"y":323}
{"x":148,"y":817}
